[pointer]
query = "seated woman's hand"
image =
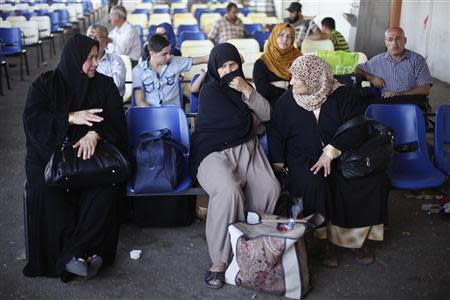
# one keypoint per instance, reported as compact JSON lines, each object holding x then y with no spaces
{"x":85,"y":117}
{"x":239,"y":84}
{"x":86,"y":145}
{"x":323,"y":162}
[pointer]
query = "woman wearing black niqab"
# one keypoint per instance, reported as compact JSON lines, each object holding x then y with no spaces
{"x":72,"y":231}
{"x":226,"y":156}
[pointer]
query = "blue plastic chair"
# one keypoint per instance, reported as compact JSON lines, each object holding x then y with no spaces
{"x":143,"y":119}
{"x":250,"y":28}
{"x":11,"y":40}
{"x":193,"y":99}
{"x":64,"y":18}
{"x":55,"y":21}
{"x":190,"y":35}
{"x":179,"y":11}
{"x":245,"y":10}
{"x":41,"y":12}
{"x":221,"y":11}
{"x":190,"y":27}
{"x":146,"y":11}
{"x":161,"y":10}
{"x":261,"y":37}
{"x":5,"y":15}
{"x":140,"y":32}
{"x":411,"y":167}
{"x":200,"y":11}
{"x":442,"y":138}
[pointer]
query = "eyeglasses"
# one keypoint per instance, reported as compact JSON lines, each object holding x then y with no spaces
{"x":286,"y":36}
{"x":98,"y":37}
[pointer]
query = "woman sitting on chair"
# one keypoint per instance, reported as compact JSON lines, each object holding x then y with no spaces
{"x":303,"y":125}
{"x":71,"y":230}
{"x":271,"y":72}
{"x":226,"y":156}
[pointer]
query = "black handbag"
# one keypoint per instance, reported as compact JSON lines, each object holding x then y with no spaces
{"x":374,"y":156}
{"x":107,"y":166}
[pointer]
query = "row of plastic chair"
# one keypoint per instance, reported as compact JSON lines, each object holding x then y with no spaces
{"x":412,"y":167}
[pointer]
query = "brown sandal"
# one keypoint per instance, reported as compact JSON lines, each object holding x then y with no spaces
{"x":363,"y":255}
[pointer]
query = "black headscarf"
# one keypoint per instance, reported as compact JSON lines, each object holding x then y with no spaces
{"x":224,"y":120}
{"x":74,"y":54}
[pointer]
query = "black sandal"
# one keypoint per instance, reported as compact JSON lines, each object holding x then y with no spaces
{"x":219,"y":276}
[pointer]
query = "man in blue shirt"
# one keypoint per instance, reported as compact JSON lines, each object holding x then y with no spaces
{"x":156,"y":80}
{"x":398,"y":71}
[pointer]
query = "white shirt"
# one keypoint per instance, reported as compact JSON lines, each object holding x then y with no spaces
{"x":112,"y":65}
{"x":125,"y":41}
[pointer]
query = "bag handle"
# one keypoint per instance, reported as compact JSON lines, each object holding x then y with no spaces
{"x":354,"y":122}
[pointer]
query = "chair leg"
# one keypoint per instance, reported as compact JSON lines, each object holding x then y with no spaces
{"x":7,"y":76}
{"x":21,"y":67}
{"x":26,"y":222}
{"x":1,"y":82}
{"x":26,"y":64}
{"x":38,"y":57}
{"x":53,"y":45}
{"x":42,"y":51}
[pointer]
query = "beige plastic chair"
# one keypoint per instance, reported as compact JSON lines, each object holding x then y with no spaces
{"x":185,"y":19}
{"x":177,"y":5}
{"x":156,"y":19}
{"x":128,"y":78}
{"x":155,"y":6}
{"x":249,"y":62}
{"x":6,"y":7}
{"x":30,"y":34}
{"x":44,"y":27}
{"x":4,"y":24}
{"x":56,"y":6}
{"x":193,"y":49}
{"x":14,"y":19}
{"x":138,"y":19}
{"x":245,"y":45}
{"x":145,"y":5}
{"x":309,"y":47}
{"x":362,"y":58}
{"x":207,"y":20}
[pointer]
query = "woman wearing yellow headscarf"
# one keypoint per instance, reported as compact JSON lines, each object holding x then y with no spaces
{"x":271,"y":72}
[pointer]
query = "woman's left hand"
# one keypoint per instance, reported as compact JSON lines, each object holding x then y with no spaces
{"x":86,"y":145}
{"x":239,"y":84}
{"x":323,"y":162}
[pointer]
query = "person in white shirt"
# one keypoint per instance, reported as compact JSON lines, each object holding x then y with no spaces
{"x":109,"y":64}
{"x":124,"y":39}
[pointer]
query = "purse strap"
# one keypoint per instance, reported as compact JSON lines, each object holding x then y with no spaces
{"x":354,"y":122}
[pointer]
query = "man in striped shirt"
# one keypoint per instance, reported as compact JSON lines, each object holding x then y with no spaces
{"x":329,"y":32}
{"x":398,"y":71}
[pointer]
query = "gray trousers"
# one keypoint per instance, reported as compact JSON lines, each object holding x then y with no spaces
{"x":236,"y":179}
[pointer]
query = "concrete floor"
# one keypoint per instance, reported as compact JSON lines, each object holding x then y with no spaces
{"x":412,"y":263}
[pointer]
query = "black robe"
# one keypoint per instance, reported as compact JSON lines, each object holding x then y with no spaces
{"x":69,"y":223}
{"x":263,"y":77}
{"x":297,"y":139}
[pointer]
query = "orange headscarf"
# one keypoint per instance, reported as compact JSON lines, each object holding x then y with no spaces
{"x":279,"y":60}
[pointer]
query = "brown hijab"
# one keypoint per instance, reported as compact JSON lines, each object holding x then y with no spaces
{"x":279,"y":60}
{"x":316,"y":75}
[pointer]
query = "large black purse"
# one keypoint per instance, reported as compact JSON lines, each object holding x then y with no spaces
{"x":373,"y":156}
{"x":107,"y":166}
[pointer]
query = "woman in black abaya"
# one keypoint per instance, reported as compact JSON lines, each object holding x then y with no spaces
{"x":304,"y":121}
{"x":71,"y":231}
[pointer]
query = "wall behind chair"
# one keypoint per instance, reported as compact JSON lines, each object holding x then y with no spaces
{"x":427,"y":28}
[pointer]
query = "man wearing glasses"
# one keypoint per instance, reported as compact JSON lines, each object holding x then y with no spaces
{"x":398,"y":71}
{"x":109,"y":64}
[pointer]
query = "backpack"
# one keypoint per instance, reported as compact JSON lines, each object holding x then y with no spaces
{"x":158,"y":162}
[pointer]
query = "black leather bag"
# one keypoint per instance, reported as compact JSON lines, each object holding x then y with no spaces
{"x":107,"y":166}
{"x":374,"y":156}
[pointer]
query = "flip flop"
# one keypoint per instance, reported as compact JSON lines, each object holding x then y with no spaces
{"x":363,"y":256}
{"x":94,"y":264}
{"x":219,"y":276}
{"x":77,"y":266}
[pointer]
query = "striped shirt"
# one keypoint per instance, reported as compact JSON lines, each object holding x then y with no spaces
{"x":223,"y":30}
{"x":406,"y":74}
{"x":339,"y":41}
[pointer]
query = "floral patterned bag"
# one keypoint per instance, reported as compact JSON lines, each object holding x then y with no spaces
{"x":268,"y":260}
